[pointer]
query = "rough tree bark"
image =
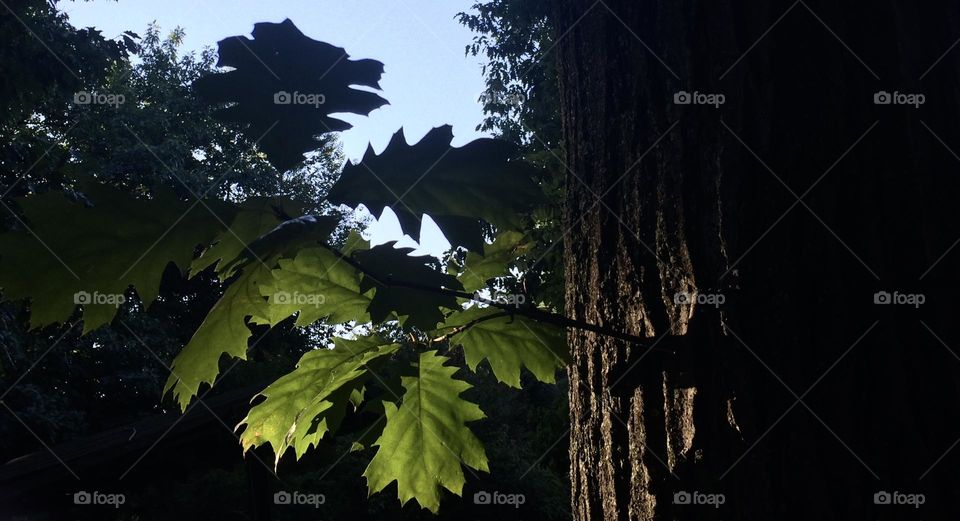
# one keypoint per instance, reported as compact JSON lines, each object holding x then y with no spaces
{"x":798,"y":397}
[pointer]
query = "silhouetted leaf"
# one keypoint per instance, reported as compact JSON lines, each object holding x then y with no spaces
{"x":284,"y":86}
{"x":414,"y":307}
{"x":481,"y":180}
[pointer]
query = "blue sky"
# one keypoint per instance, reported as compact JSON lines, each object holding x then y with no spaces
{"x":428,"y":80}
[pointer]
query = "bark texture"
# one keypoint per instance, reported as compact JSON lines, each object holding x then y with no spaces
{"x":796,"y":200}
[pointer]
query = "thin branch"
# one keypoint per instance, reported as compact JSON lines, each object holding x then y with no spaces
{"x":533,"y":313}
{"x":459,"y":329}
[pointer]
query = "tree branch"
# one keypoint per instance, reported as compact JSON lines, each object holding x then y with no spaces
{"x":533,"y":313}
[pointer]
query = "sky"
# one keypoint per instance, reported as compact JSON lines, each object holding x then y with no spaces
{"x":427,"y":80}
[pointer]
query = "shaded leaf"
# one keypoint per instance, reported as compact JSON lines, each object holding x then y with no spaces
{"x":317,"y":284}
{"x":223,"y":331}
{"x":73,"y":253}
{"x":495,"y":260}
{"x":254,"y":217}
{"x":286,"y":239}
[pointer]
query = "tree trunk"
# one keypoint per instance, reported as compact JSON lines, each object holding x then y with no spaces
{"x":761,"y":230}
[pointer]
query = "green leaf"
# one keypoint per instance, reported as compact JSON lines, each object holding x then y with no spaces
{"x":480,"y":180}
{"x":317,"y":284}
{"x":73,"y":253}
{"x":494,"y":262}
{"x":223,"y":331}
{"x":415,"y":307}
{"x":255,"y":217}
{"x":509,"y":343}
{"x":302,"y":406}
{"x":285,"y":239}
{"x":426,"y":438}
{"x":284,"y":86}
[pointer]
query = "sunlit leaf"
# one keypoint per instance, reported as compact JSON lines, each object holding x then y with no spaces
{"x":509,"y":343}
{"x":426,"y":439}
{"x":302,"y":406}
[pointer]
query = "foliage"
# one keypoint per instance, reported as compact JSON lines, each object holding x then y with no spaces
{"x":522,"y":105}
{"x":63,"y":379}
{"x":400,"y":319}
{"x":522,"y":96}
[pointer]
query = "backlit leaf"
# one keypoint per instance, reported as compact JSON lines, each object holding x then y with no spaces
{"x":426,"y":439}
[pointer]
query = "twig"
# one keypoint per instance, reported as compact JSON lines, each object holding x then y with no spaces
{"x":533,"y":313}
